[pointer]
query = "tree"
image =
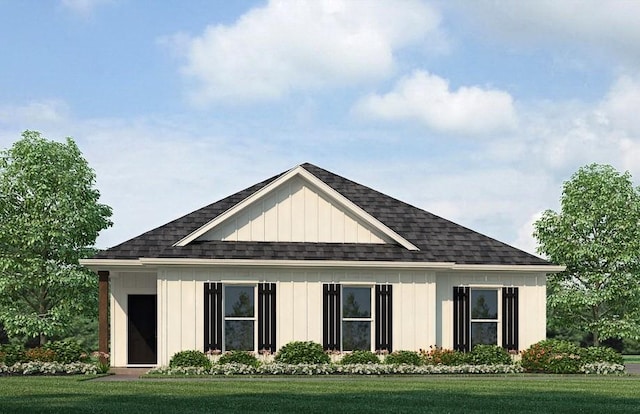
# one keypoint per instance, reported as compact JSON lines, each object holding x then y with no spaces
{"x":49,"y":217}
{"x":596,"y":236}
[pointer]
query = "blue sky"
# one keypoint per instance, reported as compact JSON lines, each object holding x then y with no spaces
{"x":476,"y":111}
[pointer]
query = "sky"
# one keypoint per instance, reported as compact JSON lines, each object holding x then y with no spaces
{"x":476,"y":111}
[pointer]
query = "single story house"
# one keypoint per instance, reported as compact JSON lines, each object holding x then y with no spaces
{"x":309,"y":255}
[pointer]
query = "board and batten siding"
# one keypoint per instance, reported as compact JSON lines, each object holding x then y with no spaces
{"x":295,"y":212}
{"x":531,"y":302}
{"x":122,"y":285}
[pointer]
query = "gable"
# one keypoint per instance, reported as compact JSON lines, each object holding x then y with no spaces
{"x":295,"y":211}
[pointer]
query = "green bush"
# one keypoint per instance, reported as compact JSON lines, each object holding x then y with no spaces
{"x":239,"y":357}
{"x":12,"y":354}
{"x":441,"y":356}
{"x":552,"y":356}
{"x":67,"y":351}
{"x":403,"y":357}
{"x":595,"y":354}
{"x":190,"y":358}
{"x":360,"y":357}
{"x":298,"y":352}
{"x":488,"y":355}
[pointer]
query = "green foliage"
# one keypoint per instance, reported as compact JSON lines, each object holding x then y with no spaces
{"x":299,"y":352}
{"x":11,"y":354}
{"x":49,"y":216}
{"x":360,"y":357}
{"x":596,"y":235}
{"x":488,"y":355}
{"x":191,"y":358}
{"x":239,"y":357}
{"x":403,"y":357}
{"x":594,"y":354}
{"x":67,"y":351}
{"x":441,"y":356}
{"x":552,"y":356}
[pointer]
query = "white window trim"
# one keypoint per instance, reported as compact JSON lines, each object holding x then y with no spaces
{"x":370,"y":319}
{"x":226,"y":318}
{"x":498,"y":319}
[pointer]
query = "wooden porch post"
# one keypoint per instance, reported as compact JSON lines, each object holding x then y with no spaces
{"x":103,"y":313}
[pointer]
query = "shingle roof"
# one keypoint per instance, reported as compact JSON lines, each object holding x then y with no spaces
{"x":438,"y":239}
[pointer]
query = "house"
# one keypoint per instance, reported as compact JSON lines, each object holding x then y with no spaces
{"x":310,"y":255}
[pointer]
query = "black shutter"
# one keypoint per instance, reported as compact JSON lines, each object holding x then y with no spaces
{"x":384,"y":319}
{"x":510,"y":318}
{"x":461,"y":319}
{"x":267,"y":316}
{"x":212,"y":316}
{"x":331,"y":316}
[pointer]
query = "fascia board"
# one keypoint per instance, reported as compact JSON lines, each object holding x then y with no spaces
{"x":509,"y":268}
{"x":299,"y":170}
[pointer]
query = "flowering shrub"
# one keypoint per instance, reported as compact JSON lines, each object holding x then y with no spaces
{"x":48,"y":368}
{"x":102,"y":361}
{"x":488,"y":354}
{"x":11,"y":354}
{"x":602,"y":368}
{"x":40,"y":354}
{"x":441,"y":356}
{"x":601,"y":354}
{"x":552,"y":356}
{"x":67,"y":351}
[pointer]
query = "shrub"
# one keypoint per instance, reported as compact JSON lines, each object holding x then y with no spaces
{"x":239,"y":357}
{"x":298,"y":352}
{"x":12,"y":354}
{"x":67,"y":351}
{"x":191,"y":358}
{"x":595,"y":354}
{"x":40,"y":354}
{"x":488,"y":355}
{"x":360,"y":357}
{"x":403,"y":357}
{"x":441,"y":356}
{"x":552,"y":356}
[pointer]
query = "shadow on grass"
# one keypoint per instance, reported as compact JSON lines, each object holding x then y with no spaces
{"x":318,"y":397}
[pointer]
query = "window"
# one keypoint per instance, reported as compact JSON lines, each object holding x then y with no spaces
{"x":356,"y":318}
{"x":350,"y":322}
{"x":484,"y":317}
{"x":478,"y":313}
{"x":230,"y":315}
{"x":239,"y":318}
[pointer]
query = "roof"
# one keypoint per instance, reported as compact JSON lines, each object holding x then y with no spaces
{"x":438,"y":240}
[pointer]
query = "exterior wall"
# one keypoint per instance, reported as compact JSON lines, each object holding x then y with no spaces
{"x":532,"y":315}
{"x":122,"y":285}
{"x":422,"y":303}
{"x":299,"y":304}
{"x":295,"y":212}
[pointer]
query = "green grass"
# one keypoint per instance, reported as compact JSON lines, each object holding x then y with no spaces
{"x":522,"y":394}
{"x":632,"y":358}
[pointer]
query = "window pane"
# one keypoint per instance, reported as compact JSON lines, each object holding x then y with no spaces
{"x":356,"y":302}
{"x":238,"y":335}
{"x":356,"y":335}
{"x":238,"y":301}
{"x":485,"y":333}
{"x":484,"y":304}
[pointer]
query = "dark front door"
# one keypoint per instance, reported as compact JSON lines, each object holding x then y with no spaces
{"x":142,"y":329}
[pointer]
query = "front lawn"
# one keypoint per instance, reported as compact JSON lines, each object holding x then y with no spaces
{"x":634,"y":359}
{"x":557,"y":394}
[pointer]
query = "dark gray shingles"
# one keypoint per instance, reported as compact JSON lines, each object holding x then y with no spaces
{"x":438,"y":239}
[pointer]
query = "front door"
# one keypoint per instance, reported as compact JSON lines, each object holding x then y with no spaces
{"x":142,"y":344}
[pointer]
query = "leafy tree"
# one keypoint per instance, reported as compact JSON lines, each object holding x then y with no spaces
{"x":49,"y":216}
{"x":596,"y":235}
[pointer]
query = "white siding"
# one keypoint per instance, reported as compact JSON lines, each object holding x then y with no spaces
{"x":122,"y":285}
{"x":295,"y":212}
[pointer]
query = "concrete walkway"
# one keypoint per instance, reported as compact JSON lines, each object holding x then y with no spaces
{"x":123,"y":374}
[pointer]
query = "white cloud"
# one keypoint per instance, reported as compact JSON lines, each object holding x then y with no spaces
{"x":38,"y":112}
{"x":611,"y":27}
{"x":428,"y":99}
{"x":289,"y":46}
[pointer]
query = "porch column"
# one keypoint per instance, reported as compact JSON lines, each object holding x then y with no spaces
{"x":103,"y":312}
